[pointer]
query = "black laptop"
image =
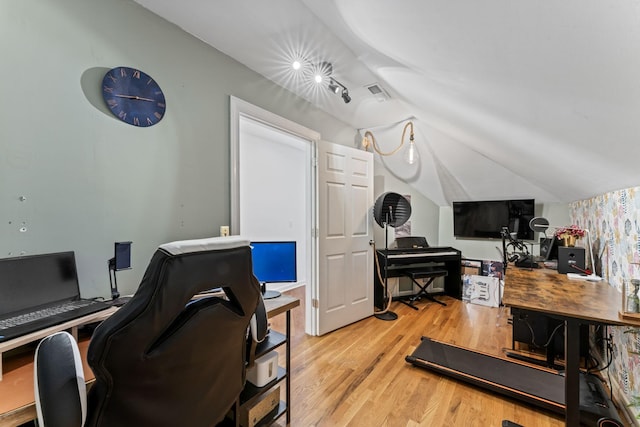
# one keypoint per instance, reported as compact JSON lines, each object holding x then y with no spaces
{"x":39,"y":291}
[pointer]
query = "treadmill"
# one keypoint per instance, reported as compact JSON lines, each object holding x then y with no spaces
{"x":530,"y":384}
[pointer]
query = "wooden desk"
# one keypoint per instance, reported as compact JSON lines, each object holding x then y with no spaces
{"x":70,"y":325}
{"x":17,"y":401}
{"x":575,"y":302}
{"x":17,"y":405}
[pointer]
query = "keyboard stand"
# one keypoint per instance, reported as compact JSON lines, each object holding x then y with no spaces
{"x":429,"y":273}
{"x":71,"y":325}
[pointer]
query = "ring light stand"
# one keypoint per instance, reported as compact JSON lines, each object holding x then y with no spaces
{"x":390,"y":209}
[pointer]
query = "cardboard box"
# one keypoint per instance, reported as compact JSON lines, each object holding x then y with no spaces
{"x":471,"y":266}
{"x":482,"y":290}
{"x":269,"y":401}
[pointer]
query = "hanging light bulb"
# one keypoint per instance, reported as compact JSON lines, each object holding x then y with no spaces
{"x":410,"y":154}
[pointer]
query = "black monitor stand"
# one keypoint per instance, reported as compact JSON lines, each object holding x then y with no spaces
{"x":116,"y":299}
{"x":113,"y":282}
{"x":268,"y":294}
{"x":120,"y":261}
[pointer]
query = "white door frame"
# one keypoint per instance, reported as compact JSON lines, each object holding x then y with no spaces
{"x":238,"y":109}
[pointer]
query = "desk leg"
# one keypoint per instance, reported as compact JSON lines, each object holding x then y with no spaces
{"x":572,"y":372}
{"x":288,"y":356}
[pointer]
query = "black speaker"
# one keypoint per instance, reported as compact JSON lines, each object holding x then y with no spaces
{"x":569,"y":258}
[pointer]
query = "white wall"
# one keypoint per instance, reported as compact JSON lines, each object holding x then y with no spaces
{"x":556,"y":213}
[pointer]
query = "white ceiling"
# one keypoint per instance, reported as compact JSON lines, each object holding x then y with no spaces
{"x":510,"y":99}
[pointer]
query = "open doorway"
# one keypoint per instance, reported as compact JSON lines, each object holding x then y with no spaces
{"x":272,"y":186}
{"x":285,"y":182}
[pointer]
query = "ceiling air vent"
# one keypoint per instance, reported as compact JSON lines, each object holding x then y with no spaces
{"x":377,"y":91}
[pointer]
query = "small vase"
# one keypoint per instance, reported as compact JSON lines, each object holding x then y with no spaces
{"x":569,"y":241}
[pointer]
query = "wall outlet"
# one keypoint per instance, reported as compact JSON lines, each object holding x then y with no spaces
{"x":224,"y":230}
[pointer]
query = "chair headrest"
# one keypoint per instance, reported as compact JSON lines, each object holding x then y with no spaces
{"x":207,"y":244}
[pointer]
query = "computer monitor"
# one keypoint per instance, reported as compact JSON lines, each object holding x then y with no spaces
{"x":548,"y":248}
{"x":274,"y":262}
{"x":122,"y":258}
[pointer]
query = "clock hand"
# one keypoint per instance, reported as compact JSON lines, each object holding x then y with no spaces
{"x":139,"y":98}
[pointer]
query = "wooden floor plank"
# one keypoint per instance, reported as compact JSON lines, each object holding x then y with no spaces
{"x":358,"y":376}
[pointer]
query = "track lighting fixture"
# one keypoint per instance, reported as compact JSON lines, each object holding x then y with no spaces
{"x":338,"y":88}
{"x":322,"y":73}
{"x":334,"y":86}
{"x":345,"y":96}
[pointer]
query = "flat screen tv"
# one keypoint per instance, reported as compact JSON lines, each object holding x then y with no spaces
{"x":274,"y":261}
{"x":485,"y":219}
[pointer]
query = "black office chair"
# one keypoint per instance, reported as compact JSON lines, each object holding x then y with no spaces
{"x":164,"y":358}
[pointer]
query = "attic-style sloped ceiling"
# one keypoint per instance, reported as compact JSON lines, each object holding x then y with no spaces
{"x":509,"y":98}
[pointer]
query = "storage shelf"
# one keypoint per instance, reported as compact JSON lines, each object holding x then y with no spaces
{"x":250,"y":391}
{"x":273,"y":415}
{"x":251,"y":395}
{"x":272,"y":341}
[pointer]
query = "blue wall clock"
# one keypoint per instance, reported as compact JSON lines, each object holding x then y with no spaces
{"x":133,"y":96}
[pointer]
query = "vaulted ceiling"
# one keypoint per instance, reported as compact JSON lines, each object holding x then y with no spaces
{"x":510,"y":99}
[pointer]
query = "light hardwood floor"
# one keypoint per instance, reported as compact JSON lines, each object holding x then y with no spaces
{"x":358,"y":376}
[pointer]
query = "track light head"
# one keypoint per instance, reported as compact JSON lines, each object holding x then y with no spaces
{"x":334,"y":86}
{"x":323,"y":71}
{"x":345,"y":96}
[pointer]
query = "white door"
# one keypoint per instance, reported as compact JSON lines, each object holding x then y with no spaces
{"x":344,"y":291}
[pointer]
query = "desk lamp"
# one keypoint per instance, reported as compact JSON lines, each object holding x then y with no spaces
{"x":542,"y":224}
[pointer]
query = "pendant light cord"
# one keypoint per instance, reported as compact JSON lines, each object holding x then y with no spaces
{"x":369,"y":139}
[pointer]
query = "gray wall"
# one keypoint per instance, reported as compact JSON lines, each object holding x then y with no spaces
{"x":89,"y":179}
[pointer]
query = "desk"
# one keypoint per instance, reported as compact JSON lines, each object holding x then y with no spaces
{"x":17,"y":402}
{"x":70,"y":325}
{"x":17,"y":405}
{"x":575,"y":302}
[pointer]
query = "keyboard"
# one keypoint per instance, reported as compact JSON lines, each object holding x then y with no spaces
{"x":33,"y":316}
